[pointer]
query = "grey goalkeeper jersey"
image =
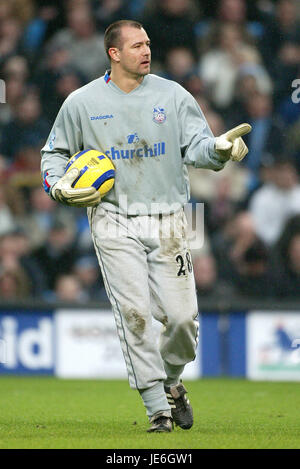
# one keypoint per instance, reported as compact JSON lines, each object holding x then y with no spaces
{"x":150,"y":134}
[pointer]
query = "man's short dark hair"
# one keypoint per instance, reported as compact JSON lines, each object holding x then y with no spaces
{"x":112,"y":36}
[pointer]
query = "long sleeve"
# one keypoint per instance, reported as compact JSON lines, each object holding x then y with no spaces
{"x":64,"y":140}
{"x":197,"y":141}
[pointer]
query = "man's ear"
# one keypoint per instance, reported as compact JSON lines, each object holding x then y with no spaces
{"x":114,"y":54}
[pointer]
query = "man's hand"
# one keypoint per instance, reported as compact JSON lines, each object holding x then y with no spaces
{"x":63,"y":192}
{"x":231,"y":145}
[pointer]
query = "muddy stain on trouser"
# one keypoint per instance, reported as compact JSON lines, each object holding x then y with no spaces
{"x":144,"y":279}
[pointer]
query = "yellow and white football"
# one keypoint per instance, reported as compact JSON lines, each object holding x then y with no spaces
{"x":96,"y":170}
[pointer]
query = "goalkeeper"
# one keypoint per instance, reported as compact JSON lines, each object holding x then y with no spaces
{"x":151,"y":128}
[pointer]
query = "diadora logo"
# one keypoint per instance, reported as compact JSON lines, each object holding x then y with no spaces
{"x":133,"y":138}
{"x":159,"y":115}
{"x":107,"y":116}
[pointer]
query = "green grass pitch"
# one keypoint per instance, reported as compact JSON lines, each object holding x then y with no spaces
{"x":229,"y":413}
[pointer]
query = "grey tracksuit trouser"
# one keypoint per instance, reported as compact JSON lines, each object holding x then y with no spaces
{"x":147,"y":270}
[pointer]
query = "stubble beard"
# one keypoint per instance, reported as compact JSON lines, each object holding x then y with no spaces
{"x":137,"y":74}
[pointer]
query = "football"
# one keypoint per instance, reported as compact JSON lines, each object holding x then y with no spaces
{"x":96,"y":170}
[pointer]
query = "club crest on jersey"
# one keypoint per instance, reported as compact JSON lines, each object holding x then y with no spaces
{"x":159,"y":115}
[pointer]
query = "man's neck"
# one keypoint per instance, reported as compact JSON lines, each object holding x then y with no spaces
{"x":125,"y":82}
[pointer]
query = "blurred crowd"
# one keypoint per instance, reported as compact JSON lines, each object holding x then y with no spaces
{"x":241,"y":61}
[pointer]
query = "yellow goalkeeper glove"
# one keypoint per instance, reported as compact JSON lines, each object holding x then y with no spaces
{"x":63,"y":192}
{"x":231,"y":145}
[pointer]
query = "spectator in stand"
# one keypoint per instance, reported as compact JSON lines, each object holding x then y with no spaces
{"x":230,"y":244}
{"x":27,"y":127}
{"x":48,"y":18}
{"x":180,"y":65}
{"x":83,"y":43}
{"x":206,"y":277}
{"x":243,"y":259}
{"x":282,"y":28}
{"x":40,"y":215}
{"x":276,"y":201}
{"x":15,"y":258}
{"x":222,"y":205}
{"x":3,"y":171}
{"x":22,"y":10}
{"x":21,"y":244}
{"x":14,"y":285}
{"x":10,"y":34}
{"x":234,"y":12}
{"x":12,"y":197}
{"x":266,"y":169}
{"x":251,"y":80}
{"x":193,"y":84}
{"x":27,"y":160}
{"x":57,"y":58}
{"x":253,"y":272}
{"x":267,"y":133}
{"x":7,"y":221}
{"x":84,"y":240}
{"x":137,"y":8}
{"x":68,"y":80}
{"x":15,"y":74}
{"x":109,"y":11}
{"x":282,"y":37}
{"x":58,"y":255}
{"x":230,"y":54}
{"x":287,"y":279}
{"x":87,"y":272}
{"x":65,"y":81}
{"x":68,"y":290}
{"x":6,"y":9}
{"x":16,"y":67}
{"x":172,"y":24}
